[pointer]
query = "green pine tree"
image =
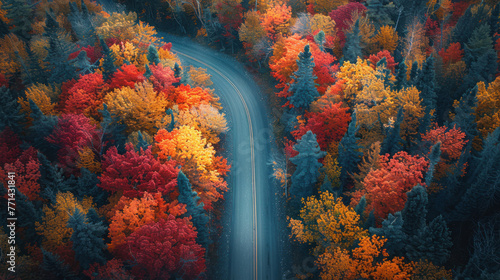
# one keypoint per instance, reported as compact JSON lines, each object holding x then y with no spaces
{"x":415,"y":211}
{"x":304,"y":89}
{"x":60,"y":47}
{"x":392,"y":141}
{"x":380,"y":12}
{"x":352,"y":47}
{"x":307,"y":170}
{"x":349,"y":154}
{"x":153,"y":56}
{"x":109,"y":60}
{"x":21,"y":16}
{"x":426,"y":83}
{"x":401,"y":81}
{"x":194,"y":209}
{"x":87,"y":239}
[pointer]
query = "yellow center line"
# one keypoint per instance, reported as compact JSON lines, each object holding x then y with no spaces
{"x":252,"y":157}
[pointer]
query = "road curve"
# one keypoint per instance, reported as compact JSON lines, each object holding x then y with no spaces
{"x":254,"y":226}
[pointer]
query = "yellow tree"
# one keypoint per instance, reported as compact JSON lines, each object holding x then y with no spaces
{"x":205,"y":118}
{"x":408,"y":99}
{"x":370,"y":100}
{"x":367,"y":261}
{"x":415,"y":44}
{"x":87,"y":159}
{"x":42,"y":95}
{"x":488,"y":107}
{"x":53,"y":227}
{"x":186,"y":145}
{"x":386,"y":38}
{"x":322,"y":22}
{"x":326,"y":222}
{"x":129,"y":52}
{"x":200,"y":77}
{"x":352,"y":75}
{"x":12,"y":51}
{"x":140,"y":108}
{"x":119,"y":26}
{"x":251,"y":31}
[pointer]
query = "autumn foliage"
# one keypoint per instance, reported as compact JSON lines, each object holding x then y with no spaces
{"x":385,"y":188}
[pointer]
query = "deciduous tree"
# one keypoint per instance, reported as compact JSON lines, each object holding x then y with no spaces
{"x":135,"y":173}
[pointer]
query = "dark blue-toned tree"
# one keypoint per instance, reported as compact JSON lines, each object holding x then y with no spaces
{"x":304,"y":89}
{"x":307,"y":170}
{"x":349,"y":154}
{"x":194,"y":209}
{"x":87,"y":239}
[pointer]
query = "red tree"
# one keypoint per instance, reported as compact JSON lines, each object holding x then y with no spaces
{"x":329,"y":125}
{"x":27,"y":170}
{"x":452,"y":141}
{"x":453,"y":54}
{"x":10,"y":148}
{"x":166,"y":248}
{"x":137,"y":172}
{"x":93,"y":53}
{"x":374,"y":58}
{"x":3,"y":81}
{"x":162,"y":77}
{"x":126,"y":76}
{"x":385,"y":188}
{"x":343,"y":18}
{"x":73,"y":133}
{"x":130,"y":214}
{"x":186,"y":97}
{"x":83,"y":96}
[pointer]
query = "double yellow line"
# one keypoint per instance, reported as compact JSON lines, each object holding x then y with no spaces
{"x":252,"y":158}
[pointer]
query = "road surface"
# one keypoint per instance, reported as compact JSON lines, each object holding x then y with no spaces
{"x":254,"y":226}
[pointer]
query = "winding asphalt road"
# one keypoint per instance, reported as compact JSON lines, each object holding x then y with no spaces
{"x":253,"y":228}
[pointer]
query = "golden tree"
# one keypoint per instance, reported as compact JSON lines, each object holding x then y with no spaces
{"x":488,"y":103}
{"x":205,"y":118}
{"x":200,"y":77}
{"x":386,"y":38}
{"x":322,"y":22}
{"x":367,"y":261}
{"x":326,"y":222}
{"x":53,"y":227}
{"x":140,"y":108}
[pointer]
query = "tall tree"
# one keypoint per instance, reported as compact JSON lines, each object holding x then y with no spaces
{"x":10,"y":115}
{"x":304,"y":89}
{"x":20,"y":14}
{"x":194,"y":209}
{"x":108,"y":66}
{"x":87,"y":239}
{"x":58,"y":51}
{"x":352,"y":48}
{"x":153,"y":56}
{"x":426,"y":83}
{"x":307,"y":171}
{"x":401,"y":76}
{"x":349,"y":154}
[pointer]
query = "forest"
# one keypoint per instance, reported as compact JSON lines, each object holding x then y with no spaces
{"x":386,"y":115}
